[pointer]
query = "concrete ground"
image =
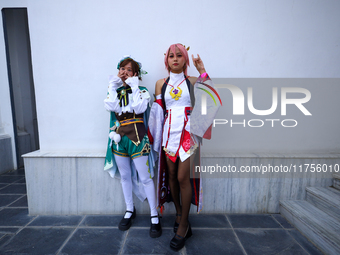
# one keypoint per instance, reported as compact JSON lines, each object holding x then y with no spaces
{"x":99,"y":234}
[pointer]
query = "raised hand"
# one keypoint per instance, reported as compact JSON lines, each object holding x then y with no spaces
{"x":198,"y":63}
{"x":122,"y":74}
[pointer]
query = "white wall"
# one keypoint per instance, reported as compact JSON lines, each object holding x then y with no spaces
{"x":77,"y":44}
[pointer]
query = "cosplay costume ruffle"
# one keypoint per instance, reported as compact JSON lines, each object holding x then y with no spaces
{"x":171,"y":136}
{"x":129,"y":112}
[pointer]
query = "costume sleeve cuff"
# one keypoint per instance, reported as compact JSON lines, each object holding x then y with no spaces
{"x":115,"y":81}
{"x":133,"y":82}
{"x":203,"y":77}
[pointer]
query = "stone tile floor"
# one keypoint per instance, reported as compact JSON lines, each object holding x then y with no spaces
{"x":98,"y":234}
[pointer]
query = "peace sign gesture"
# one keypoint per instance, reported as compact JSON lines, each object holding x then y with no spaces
{"x":198,"y":63}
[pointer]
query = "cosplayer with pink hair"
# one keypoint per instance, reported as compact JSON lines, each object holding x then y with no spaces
{"x":183,"y":50}
{"x":175,"y":142}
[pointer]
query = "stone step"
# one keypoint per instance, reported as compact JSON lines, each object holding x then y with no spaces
{"x":336,"y":181}
{"x":319,"y":227}
{"x":326,"y":199}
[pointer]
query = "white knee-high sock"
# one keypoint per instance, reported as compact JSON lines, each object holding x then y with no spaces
{"x":124,"y":168}
{"x":149,"y":187}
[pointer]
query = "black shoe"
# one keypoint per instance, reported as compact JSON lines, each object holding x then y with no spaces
{"x":178,"y":242}
{"x":176,"y":224}
{"x":155,"y":229}
{"x":125,"y":224}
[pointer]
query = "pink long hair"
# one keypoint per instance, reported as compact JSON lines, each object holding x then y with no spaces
{"x":183,"y":51}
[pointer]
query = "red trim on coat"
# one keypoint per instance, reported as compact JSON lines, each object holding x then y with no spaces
{"x":169,"y":113}
{"x":187,"y":111}
{"x":150,"y":136}
{"x":207,"y":134}
{"x":160,"y":102}
{"x":194,"y":181}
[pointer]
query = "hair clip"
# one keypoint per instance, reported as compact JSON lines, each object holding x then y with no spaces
{"x":187,"y":48}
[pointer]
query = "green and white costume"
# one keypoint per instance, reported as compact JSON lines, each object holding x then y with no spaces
{"x":128,"y":148}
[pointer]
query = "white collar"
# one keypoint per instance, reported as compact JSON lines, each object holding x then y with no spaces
{"x":176,"y":77}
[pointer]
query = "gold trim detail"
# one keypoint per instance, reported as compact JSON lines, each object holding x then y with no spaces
{"x":138,"y":142}
{"x":169,"y":152}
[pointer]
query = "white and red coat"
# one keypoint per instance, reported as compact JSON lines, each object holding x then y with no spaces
{"x":169,"y":131}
